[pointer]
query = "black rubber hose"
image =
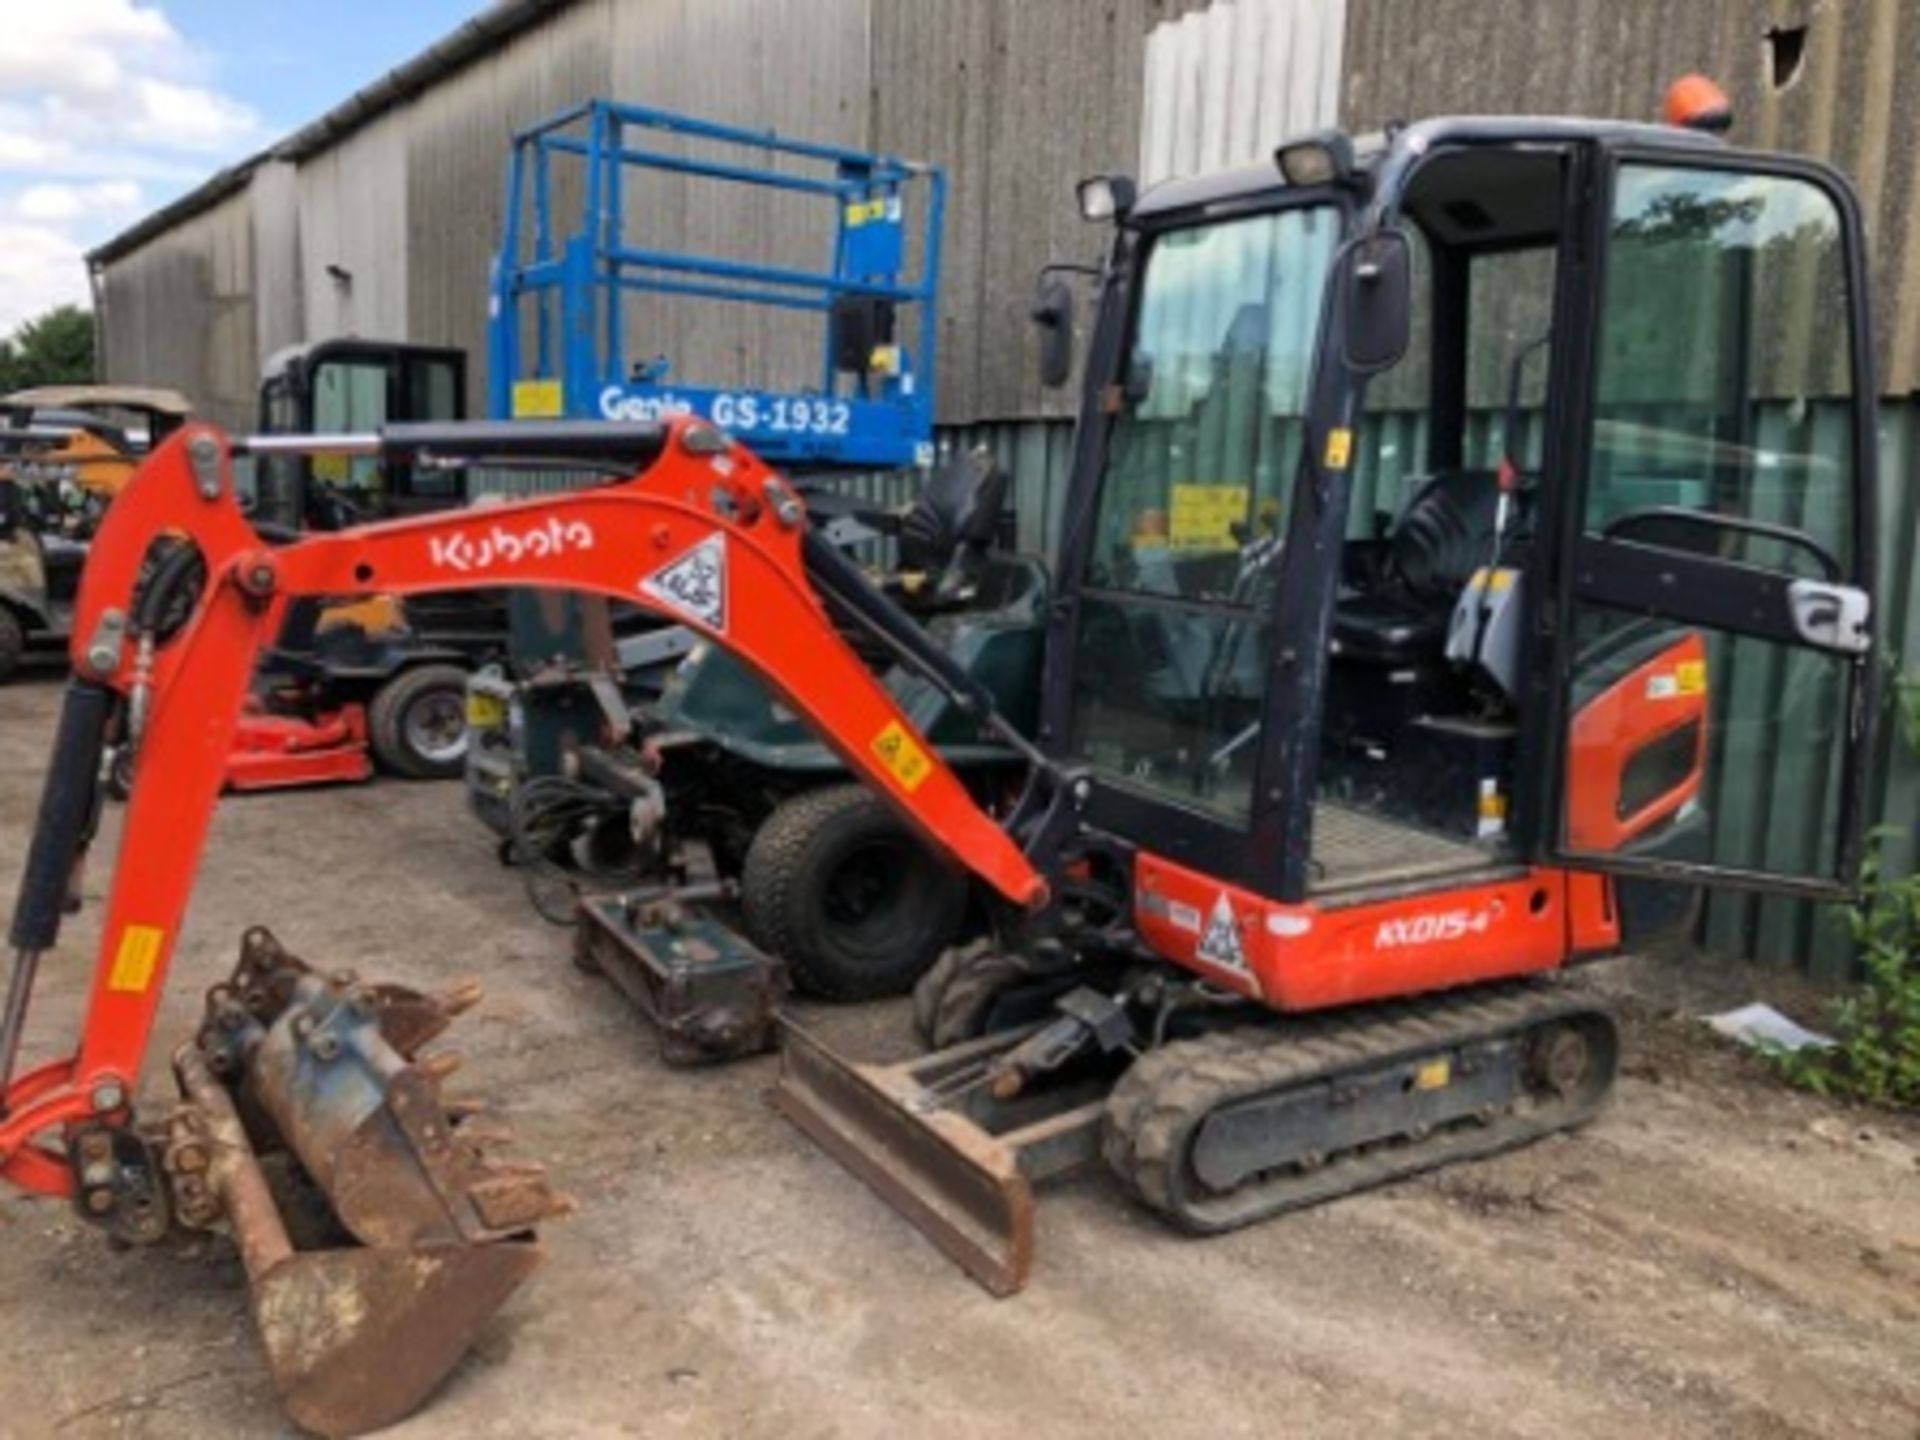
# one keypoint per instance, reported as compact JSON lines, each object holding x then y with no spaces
{"x":151,"y":605}
{"x":839,"y":579}
{"x":67,"y":808}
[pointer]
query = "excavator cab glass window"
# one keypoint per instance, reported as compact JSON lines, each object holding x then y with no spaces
{"x":1202,"y":457}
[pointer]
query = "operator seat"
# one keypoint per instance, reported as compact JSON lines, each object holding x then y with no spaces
{"x":1443,"y":535}
{"x":957,"y":510}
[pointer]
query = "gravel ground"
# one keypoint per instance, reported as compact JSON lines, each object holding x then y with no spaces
{"x":1714,"y":1257}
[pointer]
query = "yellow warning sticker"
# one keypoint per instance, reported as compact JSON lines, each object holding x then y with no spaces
{"x":537,"y":400}
{"x":902,"y":756}
{"x":485,"y":712}
{"x":1202,"y":517}
{"x":1339,"y":448}
{"x":1433,"y":1075}
{"x":1690,"y":677}
{"x":134,"y":961}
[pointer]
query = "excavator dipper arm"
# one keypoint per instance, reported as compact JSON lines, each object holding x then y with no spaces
{"x":705,"y":534}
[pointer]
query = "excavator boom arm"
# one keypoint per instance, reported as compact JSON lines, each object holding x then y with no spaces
{"x":705,"y":534}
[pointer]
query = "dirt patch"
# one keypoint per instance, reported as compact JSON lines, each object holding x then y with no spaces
{"x":1715,"y":1257}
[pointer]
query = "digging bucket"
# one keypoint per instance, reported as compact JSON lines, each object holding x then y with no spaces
{"x":416,"y":1232}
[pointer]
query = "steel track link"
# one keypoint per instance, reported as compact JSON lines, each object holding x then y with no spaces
{"x":1157,"y":1112}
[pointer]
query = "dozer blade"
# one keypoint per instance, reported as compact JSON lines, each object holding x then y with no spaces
{"x":356,"y":1337}
{"x":938,"y":1148}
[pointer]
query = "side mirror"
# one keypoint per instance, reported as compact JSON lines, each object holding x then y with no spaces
{"x":1376,"y":291}
{"x":1053,"y":314}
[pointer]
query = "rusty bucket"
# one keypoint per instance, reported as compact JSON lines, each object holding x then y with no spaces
{"x":424,"y":1232}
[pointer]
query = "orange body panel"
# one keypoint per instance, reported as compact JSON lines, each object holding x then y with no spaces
{"x":1651,"y":701}
{"x":707,"y":536}
{"x":1313,"y":956}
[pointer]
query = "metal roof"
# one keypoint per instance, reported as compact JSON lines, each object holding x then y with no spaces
{"x":81,"y":397}
{"x":474,"y":39}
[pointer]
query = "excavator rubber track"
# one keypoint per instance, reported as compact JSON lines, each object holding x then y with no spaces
{"x":1237,"y":1125}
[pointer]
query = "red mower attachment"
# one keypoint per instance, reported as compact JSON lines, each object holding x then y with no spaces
{"x":277,"y":752}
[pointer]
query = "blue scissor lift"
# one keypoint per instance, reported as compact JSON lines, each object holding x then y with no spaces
{"x":870,"y":406}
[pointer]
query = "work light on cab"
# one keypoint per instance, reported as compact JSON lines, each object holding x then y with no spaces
{"x":1322,"y":159}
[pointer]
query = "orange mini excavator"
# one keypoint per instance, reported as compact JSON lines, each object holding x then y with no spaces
{"x":1360,"y":722}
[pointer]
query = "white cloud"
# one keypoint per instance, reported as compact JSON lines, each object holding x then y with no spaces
{"x":101,"y":103}
{"x":40,"y":267}
{"x":52,"y":201}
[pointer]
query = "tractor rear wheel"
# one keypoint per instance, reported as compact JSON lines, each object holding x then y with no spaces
{"x":840,"y":888}
{"x":417,"y":722}
{"x":13,"y":643}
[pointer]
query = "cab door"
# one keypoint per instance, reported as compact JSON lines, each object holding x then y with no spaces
{"x":1712,"y":650}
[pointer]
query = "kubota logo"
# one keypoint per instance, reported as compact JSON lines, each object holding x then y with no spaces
{"x":1431,"y":929}
{"x":465,"y":551}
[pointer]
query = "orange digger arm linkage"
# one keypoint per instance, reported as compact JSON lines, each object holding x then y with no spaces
{"x":706,"y":535}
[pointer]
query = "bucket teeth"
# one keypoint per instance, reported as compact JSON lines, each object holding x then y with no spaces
{"x":483,"y":1136}
{"x":457,"y":999}
{"x":439,"y":1067}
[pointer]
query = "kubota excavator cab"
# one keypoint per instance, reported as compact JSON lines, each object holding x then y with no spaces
{"x":1469,"y":549}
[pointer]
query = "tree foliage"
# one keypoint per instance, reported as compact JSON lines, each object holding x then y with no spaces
{"x":52,"y":349}
{"x":1876,"y":1054}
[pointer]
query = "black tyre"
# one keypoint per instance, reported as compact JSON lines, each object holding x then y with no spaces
{"x":954,"y":1001}
{"x":120,"y":772}
{"x":418,"y":722}
{"x":854,"y":902}
{"x":13,"y":643}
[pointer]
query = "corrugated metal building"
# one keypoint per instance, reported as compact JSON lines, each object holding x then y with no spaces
{"x":381,"y":218}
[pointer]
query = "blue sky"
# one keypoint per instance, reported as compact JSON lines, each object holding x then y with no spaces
{"x":110,"y":108}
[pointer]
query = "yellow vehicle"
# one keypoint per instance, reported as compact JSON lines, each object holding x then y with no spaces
{"x":65,"y":451}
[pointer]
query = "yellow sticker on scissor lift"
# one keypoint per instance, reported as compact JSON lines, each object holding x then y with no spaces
{"x":134,"y":961}
{"x":538,"y":400}
{"x":902,"y":756}
{"x":1690,"y":677}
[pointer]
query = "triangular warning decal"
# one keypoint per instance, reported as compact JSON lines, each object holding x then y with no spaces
{"x":695,"y":584}
{"x":1220,"y":941}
